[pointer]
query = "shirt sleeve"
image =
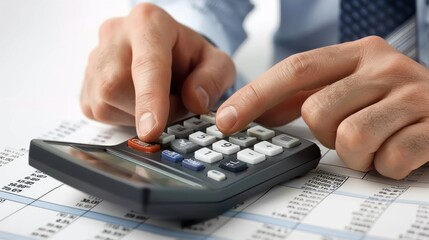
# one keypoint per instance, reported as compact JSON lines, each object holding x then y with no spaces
{"x":221,"y":21}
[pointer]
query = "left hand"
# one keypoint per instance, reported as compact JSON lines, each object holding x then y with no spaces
{"x":362,"y":98}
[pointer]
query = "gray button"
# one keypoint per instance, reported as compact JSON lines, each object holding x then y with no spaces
{"x":180,"y":131}
{"x":184,"y":146}
{"x":286,"y":141}
{"x":196,"y":124}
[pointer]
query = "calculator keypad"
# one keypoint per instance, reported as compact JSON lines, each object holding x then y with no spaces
{"x":199,"y":146}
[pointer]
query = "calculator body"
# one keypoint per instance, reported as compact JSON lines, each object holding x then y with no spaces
{"x":157,"y":185}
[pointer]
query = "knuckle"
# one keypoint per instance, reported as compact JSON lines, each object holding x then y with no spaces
{"x":101,"y":111}
{"x":351,"y":137}
{"x":299,"y":65}
{"x":109,"y":27}
{"x":313,"y":112}
{"x":392,"y":165}
{"x":373,"y":41}
{"x":397,"y":159}
{"x":146,"y":11}
{"x":86,"y":110}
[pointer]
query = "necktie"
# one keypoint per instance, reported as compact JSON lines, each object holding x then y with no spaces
{"x":393,"y":20}
{"x":360,"y":18}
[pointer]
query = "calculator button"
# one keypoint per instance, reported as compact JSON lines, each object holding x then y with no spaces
{"x":242,"y":139}
{"x":267,"y":148}
{"x":184,"y":146}
{"x":210,"y":117}
{"x":286,"y":141}
{"x":138,"y":144}
{"x":216,"y":175}
{"x":214,"y":131}
{"x":166,"y":138}
{"x":201,"y":138}
{"x":225,"y":147}
{"x":207,"y":155}
{"x":179,"y":131}
{"x":260,"y":132}
{"x":171,"y":156}
{"x":192,"y":164}
{"x":250,"y":156}
{"x":196,"y":124}
{"x":233,"y":165}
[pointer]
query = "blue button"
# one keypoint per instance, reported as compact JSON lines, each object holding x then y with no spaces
{"x":171,"y":156}
{"x":192,"y":164}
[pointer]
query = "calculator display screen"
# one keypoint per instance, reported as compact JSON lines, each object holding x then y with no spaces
{"x":143,"y":173}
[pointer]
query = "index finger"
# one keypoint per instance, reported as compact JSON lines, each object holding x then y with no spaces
{"x":151,"y":69}
{"x":300,"y":72}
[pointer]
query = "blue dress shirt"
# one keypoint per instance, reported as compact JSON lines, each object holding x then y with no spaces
{"x":304,"y":24}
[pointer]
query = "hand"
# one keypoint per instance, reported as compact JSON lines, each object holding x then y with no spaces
{"x":147,"y":68}
{"x":363,"y":98}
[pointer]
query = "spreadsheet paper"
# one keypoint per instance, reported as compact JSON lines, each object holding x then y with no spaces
{"x":330,"y":202}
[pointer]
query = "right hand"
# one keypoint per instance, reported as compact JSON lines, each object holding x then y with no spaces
{"x":149,"y":69}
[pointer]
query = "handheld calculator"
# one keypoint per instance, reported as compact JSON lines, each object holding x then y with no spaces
{"x":193,"y":172}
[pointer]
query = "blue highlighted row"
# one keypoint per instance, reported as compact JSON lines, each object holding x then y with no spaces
{"x":177,"y":157}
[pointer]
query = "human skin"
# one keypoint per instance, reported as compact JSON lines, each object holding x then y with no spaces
{"x":362,"y":98}
{"x":148,"y":69}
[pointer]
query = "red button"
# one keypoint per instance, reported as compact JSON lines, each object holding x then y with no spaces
{"x":143,"y":146}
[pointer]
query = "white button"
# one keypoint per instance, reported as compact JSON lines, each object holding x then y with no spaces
{"x":225,"y":147}
{"x":210,"y":117}
{"x":207,"y":155}
{"x":286,"y":141}
{"x":166,"y":138}
{"x":250,"y":156}
{"x":212,"y":130}
{"x":216,"y":175}
{"x":202,"y":139}
{"x":260,"y":132}
{"x":242,"y":139}
{"x":267,"y":148}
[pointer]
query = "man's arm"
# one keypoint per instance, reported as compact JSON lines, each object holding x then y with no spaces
{"x":221,"y":21}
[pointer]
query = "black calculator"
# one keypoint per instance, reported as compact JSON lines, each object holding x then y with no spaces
{"x":193,"y":172}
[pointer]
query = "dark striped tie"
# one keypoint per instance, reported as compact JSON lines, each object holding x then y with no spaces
{"x":361,"y":18}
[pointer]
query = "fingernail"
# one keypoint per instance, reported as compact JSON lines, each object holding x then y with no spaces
{"x":203,"y":97}
{"x":146,"y":124}
{"x":227,"y":118}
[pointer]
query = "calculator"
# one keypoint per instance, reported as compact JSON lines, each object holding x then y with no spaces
{"x":193,"y":172}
